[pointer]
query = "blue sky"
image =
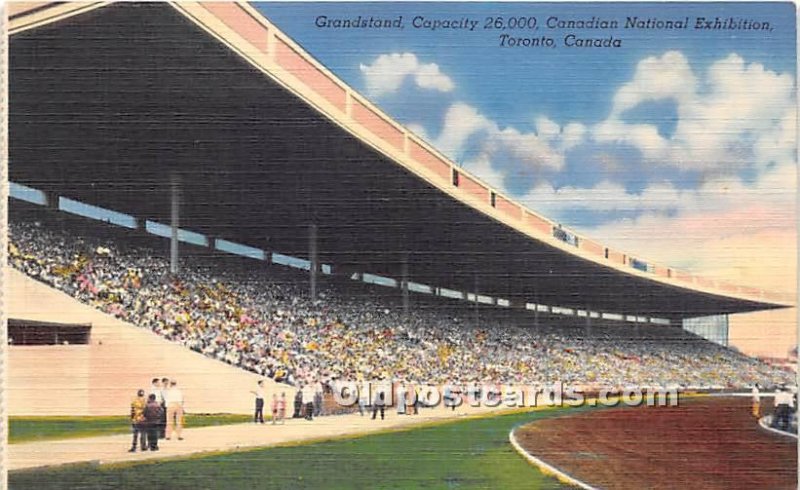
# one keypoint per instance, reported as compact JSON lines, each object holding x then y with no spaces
{"x":590,"y":137}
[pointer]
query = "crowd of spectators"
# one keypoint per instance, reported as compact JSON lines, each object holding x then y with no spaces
{"x":273,"y":328}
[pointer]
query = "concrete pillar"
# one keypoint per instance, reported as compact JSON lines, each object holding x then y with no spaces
{"x":404,"y":284}
{"x":52,"y":200}
{"x":51,"y":203}
{"x":588,"y":322}
{"x":313,"y":259}
{"x":476,"y":304}
{"x":174,"y":224}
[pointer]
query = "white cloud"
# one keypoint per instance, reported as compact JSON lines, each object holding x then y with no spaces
{"x":388,"y":72}
{"x":429,"y":77}
{"x":733,"y":116}
{"x":527,"y":150}
{"x":572,"y":135}
{"x":482,"y":167}
{"x":542,"y":149}
{"x":657,"y":78}
{"x":461,"y":121}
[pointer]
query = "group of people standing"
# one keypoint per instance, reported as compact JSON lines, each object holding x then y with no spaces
{"x":278,"y":406}
{"x":407,"y":400}
{"x":308,"y":400}
{"x":785,"y":401}
{"x":159,"y":415}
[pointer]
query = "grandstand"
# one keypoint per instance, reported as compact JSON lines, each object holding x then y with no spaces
{"x":263,"y":322}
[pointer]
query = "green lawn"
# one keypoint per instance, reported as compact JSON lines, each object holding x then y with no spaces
{"x":473,"y":453}
{"x":29,"y":429}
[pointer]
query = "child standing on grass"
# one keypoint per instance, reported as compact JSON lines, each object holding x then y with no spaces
{"x":274,"y":408}
{"x":282,"y":408}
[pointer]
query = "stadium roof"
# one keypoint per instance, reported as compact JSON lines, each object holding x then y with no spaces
{"x":111,"y":102}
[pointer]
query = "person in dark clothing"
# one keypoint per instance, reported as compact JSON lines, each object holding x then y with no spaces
{"x":380,"y":404}
{"x":307,"y":398}
{"x":784,"y":402}
{"x":318,"y":401}
{"x":152,"y":416}
{"x":298,"y":405}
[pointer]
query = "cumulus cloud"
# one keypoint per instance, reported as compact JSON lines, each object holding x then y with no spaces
{"x":731,"y":116}
{"x":461,"y":121}
{"x":737,"y":115}
{"x":482,"y":167}
{"x":656,"y":78}
{"x":734,"y":116}
{"x":387,"y":73}
{"x":466,"y":128}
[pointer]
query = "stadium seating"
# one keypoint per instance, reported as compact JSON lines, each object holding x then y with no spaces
{"x":268,"y":325}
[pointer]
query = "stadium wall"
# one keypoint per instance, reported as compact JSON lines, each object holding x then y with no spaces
{"x":101,"y":378}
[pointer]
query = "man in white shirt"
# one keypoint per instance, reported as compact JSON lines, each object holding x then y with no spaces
{"x":259,"y":393}
{"x":174,"y":402}
{"x":163,"y":398}
{"x":155,"y":389}
{"x":308,"y":393}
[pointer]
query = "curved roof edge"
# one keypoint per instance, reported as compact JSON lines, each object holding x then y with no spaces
{"x":253,"y":37}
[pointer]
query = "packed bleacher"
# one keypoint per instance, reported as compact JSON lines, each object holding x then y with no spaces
{"x":250,"y":320}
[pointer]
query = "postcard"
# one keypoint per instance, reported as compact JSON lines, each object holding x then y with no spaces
{"x":399,"y":245}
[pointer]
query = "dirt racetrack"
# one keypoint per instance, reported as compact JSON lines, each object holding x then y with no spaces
{"x":702,"y":443}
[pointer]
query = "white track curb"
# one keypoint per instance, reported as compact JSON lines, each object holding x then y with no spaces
{"x":764,"y":425}
{"x":546,"y":468}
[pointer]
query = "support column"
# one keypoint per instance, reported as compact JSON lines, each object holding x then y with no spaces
{"x":404,"y":284}
{"x":174,"y":224}
{"x":476,"y":303}
{"x":313,"y":259}
{"x":588,"y":322}
{"x":51,"y":198}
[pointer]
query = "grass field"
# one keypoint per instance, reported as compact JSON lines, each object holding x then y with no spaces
{"x":473,"y":453}
{"x":30,"y":429}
